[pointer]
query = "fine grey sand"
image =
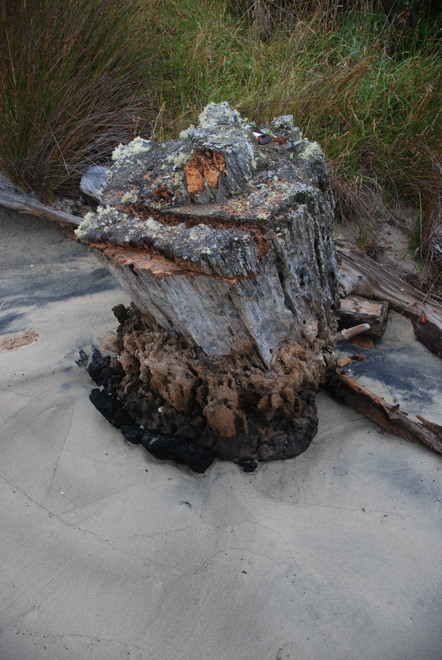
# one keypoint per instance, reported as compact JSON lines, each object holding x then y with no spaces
{"x":107,"y":553}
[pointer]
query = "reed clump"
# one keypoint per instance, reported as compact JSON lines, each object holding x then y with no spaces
{"x":74,"y":77}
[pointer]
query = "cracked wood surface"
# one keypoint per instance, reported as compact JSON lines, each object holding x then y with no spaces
{"x":358,"y":273}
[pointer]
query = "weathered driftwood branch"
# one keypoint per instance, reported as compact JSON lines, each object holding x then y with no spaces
{"x":13,"y":198}
{"x":348,"y":333}
{"x":360,"y":275}
{"x":387,"y":416}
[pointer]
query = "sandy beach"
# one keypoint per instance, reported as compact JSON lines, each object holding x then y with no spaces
{"x":108,"y":553}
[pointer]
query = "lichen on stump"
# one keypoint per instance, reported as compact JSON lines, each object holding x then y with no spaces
{"x":226,"y":247}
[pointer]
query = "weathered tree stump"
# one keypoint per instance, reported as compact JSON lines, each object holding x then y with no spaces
{"x":226,"y":246}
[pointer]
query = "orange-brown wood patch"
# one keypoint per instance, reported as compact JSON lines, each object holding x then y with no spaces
{"x":155,"y":263}
{"x":207,"y":166}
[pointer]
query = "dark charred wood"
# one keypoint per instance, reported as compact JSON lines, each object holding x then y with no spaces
{"x":97,"y":367}
{"x":184,"y":452}
{"x":180,"y":450}
{"x":110,"y":408}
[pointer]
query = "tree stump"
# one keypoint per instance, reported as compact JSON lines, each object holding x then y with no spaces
{"x":226,"y":246}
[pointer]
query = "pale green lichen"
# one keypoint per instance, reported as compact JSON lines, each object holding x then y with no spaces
{"x":311,"y":151}
{"x":105,"y":210}
{"x":184,"y":135}
{"x":88,"y":218}
{"x":152,"y":225}
{"x":137,"y":146}
{"x":219,"y":113}
{"x":179,"y":160}
{"x":129,"y":197}
{"x":80,"y":232}
{"x":117,"y":152}
{"x":203,"y":116}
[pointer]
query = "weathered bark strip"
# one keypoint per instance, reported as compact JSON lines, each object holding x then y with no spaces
{"x":355,"y":311}
{"x":384,"y":414}
{"x":13,"y":198}
{"x":362,"y":276}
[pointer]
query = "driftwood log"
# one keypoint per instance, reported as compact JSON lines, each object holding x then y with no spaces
{"x":361,"y":275}
{"x":356,"y":311}
{"x":385,"y":415}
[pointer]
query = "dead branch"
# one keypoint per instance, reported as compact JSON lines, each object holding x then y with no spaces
{"x":13,"y":198}
{"x":348,"y":333}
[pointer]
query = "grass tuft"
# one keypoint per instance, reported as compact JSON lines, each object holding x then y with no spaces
{"x":73,"y":81}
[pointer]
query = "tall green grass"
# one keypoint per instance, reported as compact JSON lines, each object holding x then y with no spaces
{"x":365,"y":83}
{"x":74,"y":80}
